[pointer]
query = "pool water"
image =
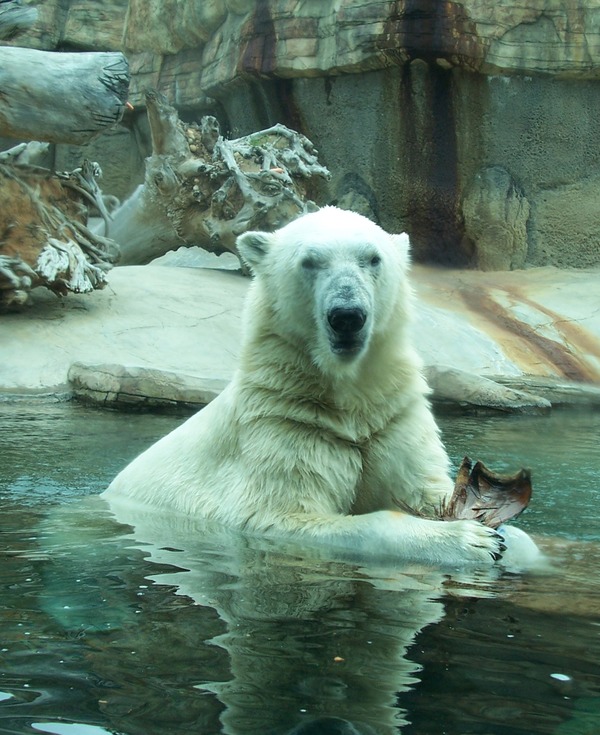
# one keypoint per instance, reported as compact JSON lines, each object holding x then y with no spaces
{"x":184,"y":627}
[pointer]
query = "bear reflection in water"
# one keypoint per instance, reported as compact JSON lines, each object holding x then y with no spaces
{"x":330,"y":726}
{"x":311,"y":645}
{"x":325,"y":430}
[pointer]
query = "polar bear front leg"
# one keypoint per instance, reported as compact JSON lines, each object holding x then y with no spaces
{"x":406,"y":466}
{"x":450,"y":542}
{"x":396,"y":535}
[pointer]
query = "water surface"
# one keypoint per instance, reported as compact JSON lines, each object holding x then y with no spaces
{"x":188,"y":628}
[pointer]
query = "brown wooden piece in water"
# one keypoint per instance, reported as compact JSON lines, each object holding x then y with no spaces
{"x":485,"y":496}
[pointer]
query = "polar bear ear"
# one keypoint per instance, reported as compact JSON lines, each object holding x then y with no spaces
{"x":402,"y":244}
{"x":253,"y":247}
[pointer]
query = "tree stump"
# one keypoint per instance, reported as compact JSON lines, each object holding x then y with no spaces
{"x":201,"y":189}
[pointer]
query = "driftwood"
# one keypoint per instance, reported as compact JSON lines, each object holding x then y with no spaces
{"x":44,"y":240}
{"x":60,"y":97}
{"x":201,"y":189}
{"x":57,"y":98}
{"x":25,"y":154}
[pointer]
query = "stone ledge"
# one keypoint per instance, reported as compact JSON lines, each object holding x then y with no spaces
{"x":124,"y":386}
{"x":557,"y":391}
{"x":459,"y":388}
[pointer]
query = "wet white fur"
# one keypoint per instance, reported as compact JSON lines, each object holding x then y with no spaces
{"x":305,"y":443}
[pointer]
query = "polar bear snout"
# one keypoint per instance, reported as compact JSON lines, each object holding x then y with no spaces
{"x":346,"y":329}
{"x":345,"y":298}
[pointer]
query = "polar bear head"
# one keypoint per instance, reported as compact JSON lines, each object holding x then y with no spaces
{"x":331,"y":280}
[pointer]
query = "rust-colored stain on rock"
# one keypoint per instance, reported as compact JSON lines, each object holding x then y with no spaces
{"x":558,"y":355}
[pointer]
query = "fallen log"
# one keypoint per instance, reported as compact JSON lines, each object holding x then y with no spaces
{"x":202,"y":189}
{"x":60,"y":97}
{"x":44,"y":239}
{"x":56,"y":98}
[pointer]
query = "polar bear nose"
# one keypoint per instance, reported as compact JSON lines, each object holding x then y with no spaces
{"x":343,"y":320}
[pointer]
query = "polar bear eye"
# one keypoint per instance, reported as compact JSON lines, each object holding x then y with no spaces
{"x":375,"y":261}
{"x":309,"y":264}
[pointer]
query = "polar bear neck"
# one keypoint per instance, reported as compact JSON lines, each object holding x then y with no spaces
{"x":282,"y":371}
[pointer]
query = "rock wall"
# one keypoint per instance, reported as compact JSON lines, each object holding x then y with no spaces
{"x":472,"y":125}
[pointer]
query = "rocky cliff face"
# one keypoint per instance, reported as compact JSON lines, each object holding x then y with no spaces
{"x":472,"y":125}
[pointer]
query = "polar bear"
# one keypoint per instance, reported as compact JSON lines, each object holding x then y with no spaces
{"x":325,"y":434}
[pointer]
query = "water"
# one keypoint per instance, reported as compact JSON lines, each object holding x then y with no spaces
{"x":188,"y":628}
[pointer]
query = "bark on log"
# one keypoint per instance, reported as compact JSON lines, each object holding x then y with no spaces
{"x":44,"y":240}
{"x":60,"y":98}
{"x":201,"y":189}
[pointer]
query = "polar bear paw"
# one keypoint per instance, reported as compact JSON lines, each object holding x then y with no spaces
{"x":480,"y":543}
{"x":451,"y":542}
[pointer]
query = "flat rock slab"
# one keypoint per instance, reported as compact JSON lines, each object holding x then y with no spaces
{"x":175,"y":319}
{"x":161,"y":335}
{"x":540,"y":321}
{"x":467,"y":390}
{"x":122,"y":386}
{"x":558,"y":392}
